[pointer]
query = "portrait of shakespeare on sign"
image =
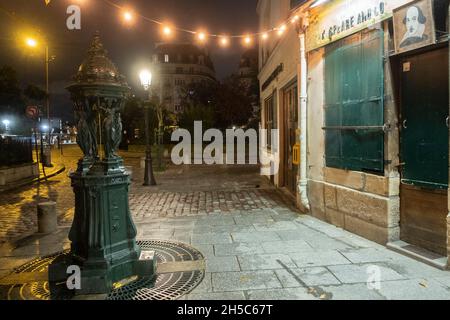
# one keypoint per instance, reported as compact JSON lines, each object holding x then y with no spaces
{"x":414,"y":26}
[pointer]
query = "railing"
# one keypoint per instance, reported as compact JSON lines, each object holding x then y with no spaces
{"x":15,"y":150}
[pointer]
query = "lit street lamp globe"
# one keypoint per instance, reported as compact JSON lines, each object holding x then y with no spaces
{"x":146,"y":79}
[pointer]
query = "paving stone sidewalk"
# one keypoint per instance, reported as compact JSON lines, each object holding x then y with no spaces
{"x":278,"y":254}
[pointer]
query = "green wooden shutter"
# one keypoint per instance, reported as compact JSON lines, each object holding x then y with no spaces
{"x":354,"y":114}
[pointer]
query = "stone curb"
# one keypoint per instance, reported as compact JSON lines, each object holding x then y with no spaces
{"x":19,"y":184}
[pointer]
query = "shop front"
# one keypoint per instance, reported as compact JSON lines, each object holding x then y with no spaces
{"x":280,"y":109}
{"x":378,"y":140}
{"x":421,"y":53}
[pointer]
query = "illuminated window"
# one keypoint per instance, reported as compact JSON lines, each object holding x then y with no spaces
{"x":166,"y":58}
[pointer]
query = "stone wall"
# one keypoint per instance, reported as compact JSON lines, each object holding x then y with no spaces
{"x":361,"y":203}
{"x":17,"y":173}
{"x":448,"y":240}
{"x":364,"y":204}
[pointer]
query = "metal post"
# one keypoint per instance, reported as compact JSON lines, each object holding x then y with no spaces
{"x":149,"y":178}
{"x":160,"y":146}
{"x":47,"y":84}
{"x":47,"y":102}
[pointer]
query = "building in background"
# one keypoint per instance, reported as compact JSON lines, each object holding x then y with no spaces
{"x":176,"y":65}
{"x":248,"y":67}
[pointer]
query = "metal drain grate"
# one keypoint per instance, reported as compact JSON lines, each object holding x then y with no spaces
{"x":168,"y":286}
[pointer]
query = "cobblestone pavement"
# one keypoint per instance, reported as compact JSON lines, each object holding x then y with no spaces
{"x":211,"y":189}
{"x":256,"y":246}
{"x":18,"y":215}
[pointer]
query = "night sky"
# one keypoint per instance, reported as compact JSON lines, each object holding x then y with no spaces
{"x":129,"y":47}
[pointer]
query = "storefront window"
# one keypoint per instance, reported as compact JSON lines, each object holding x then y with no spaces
{"x":354,"y":115}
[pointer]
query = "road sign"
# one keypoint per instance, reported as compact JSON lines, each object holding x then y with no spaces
{"x":32,"y":112}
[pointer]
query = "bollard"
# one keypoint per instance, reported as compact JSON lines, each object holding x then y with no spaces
{"x":129,"y":170}
{"x":46,"y":157}
{"x":47,"y":219}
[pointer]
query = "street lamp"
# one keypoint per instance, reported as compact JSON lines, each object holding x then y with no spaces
{"x":6,"y":123}
{"x":149,"y":178}
{"x":33,"y":43}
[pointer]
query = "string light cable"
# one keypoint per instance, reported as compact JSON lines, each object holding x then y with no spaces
{"x":203,"y":35}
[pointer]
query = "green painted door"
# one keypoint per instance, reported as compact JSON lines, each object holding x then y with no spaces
{"x":424,"y":150}
{"x":425,"y":110}
{"x":354,"y":106}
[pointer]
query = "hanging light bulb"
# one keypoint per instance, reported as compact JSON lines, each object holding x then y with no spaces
{"x":265,"y":36}
{"x":167,"y":31}
{"x":247,"y":40}
{"x":294,"y":19}
{"x":224,"y":41}
{"x":201,"y":36}
{"x":281,"y":30}
{"x":128,"y":16}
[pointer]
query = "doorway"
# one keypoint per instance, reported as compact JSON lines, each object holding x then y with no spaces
{"x":290,"y":136}
{"x":424,"y":150}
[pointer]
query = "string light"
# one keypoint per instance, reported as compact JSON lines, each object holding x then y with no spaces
{"x":128,"y":16}
{"x":224,"y":41}
{"x":281,"y":29}
{"x":201,"y":36}
{"x":247,"y":40}
{"x":167,"y":31}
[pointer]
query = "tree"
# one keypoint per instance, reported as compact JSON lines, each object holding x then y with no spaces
{"x":133,"y":118}
{"x":223,"y":104}
{"x":197,"y":112}
{"x":11,"y":100}
{"x":234,"y":105}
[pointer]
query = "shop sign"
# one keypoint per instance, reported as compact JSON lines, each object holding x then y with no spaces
{"x":414,"y":26}
{"x":340,"y":18}
{"x":273,"y":76}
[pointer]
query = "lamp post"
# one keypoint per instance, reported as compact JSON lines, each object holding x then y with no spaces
{"x":149,"y":178}
{"x":6,"y":123}
{"x":33,"y":43}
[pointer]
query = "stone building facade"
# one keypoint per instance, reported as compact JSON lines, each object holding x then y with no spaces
{"x":278,"y":63}
{"x":374,"y":135}
{"x":176,"y":65}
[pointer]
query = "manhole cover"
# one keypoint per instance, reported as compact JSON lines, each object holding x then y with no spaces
{"x":180,"y":270}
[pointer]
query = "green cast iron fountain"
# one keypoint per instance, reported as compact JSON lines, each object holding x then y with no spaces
{"x":103,"y":233}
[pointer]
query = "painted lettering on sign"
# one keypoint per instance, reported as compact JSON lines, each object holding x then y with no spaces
{"x":341,"y":18}
{"x":353,"y":21}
